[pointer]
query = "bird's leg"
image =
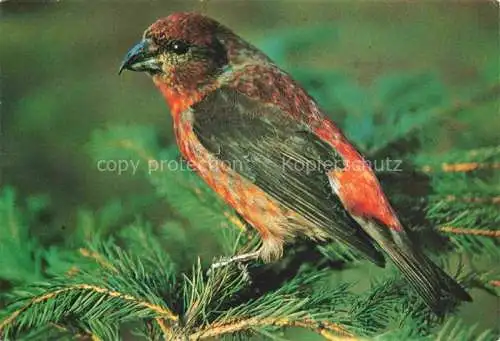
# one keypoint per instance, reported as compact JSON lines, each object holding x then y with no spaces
{"x":240,"y":261}
{"x":243,"y":258}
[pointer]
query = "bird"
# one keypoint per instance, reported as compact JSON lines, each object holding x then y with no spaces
{"x":266,"y":147}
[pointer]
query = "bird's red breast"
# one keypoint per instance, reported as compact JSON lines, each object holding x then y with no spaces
{"x":177,"y":101}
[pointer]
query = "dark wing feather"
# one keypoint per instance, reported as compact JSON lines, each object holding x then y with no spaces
{"x":281,"y":156}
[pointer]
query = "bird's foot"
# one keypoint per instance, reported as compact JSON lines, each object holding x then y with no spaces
{"x":240,"y":261}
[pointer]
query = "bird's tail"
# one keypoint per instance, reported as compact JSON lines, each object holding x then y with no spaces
{"x":429,"y":281}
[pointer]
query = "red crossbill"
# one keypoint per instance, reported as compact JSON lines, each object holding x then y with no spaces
{"x":265,"y":146}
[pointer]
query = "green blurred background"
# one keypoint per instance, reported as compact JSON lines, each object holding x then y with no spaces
{"x":59,"y":79}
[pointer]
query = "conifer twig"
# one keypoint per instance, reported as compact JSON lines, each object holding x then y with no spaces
{"x":162,"y":311}
{"x":329,"y":331}
{"x":461,"y":167}
{"x":473,"y":232}
{"x":98,"y":258}
{"x":167,"y":332}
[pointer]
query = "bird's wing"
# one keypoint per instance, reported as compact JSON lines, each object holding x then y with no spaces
{"x":281,"y":156}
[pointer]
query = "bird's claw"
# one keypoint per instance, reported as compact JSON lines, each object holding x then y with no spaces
{"x":223,"y":261}
{"x":241,"y":262}
{"x":243,"y":267}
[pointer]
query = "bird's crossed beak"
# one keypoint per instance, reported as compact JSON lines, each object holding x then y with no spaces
{"x":141,"y":58}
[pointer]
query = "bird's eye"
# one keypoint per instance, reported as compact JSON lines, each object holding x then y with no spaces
{"x":179,"y":47}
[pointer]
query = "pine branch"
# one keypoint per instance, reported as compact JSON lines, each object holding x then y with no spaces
{"x":136,"y":290}
{"x":461,"y":161}
{"x":461,"y":167}
{"x":329,"y":331}
{"x":468,"y":231}
{"x":90,"y":302}
{"x":87,"y":289}
{"x":97,"y":257}
{"x":118,"y":294}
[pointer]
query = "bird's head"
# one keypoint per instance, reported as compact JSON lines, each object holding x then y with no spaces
{"x":186,"y":51}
